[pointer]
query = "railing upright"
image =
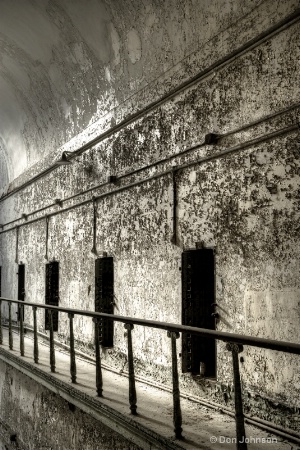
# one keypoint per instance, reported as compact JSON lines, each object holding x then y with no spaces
{"x":10,"y":336}
{"x":52,"y":350}
{"x":35,"y":337}
{"x":21,"y":312}
{"x":234,"y":345}
{"x":99,"y":381}
{"x":238,"y":402}
{"x":177,"y":417}
{"x":132,"y":390}
{"x":1,"y":332}
{"x":72,"y":349}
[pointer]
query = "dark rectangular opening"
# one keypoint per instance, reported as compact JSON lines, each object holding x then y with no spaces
{"x":0,"y":281}
{"x":52,"y":293}
{"x":198,"y":296}
{"x":21,"y":286}
{"x":104,"y":298}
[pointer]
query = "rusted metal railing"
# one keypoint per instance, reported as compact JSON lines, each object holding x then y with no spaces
{"x":177,"y":418}
{"x":235,"y":344}
{"x":132,"y":390}
{"x":35,"y":337}
{"x":10,"y":336}
{"x":99,"y":382}
{"x":238,"y":402}
{"x":72,"y":350}
{"x":21,"y":317}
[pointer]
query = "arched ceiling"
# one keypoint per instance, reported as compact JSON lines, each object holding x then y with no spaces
{"x":52,"y":69}
{"x":64,"y":63}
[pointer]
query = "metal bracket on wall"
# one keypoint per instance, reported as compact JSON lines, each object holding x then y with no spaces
{"x":211,"y":138}
{"x":17,"y":244}
{"x":112,"y":179}
{"x":94,"y":248}
{"x":174,"y":184}
{"x":47,"y":234}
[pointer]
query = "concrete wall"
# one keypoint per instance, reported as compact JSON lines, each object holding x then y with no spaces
{"x":43,"y":420}
{"x":244,"y":204}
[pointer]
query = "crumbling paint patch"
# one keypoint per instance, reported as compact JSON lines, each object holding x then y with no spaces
{"x":134,"y":46}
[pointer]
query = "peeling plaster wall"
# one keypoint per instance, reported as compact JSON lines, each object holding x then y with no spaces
{"x":244,"y":204}
{"x":65,"y":65}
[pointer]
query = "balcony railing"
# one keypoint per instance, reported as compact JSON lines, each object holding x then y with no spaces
{"x":235,"y":344}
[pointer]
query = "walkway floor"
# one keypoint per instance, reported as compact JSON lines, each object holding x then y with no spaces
{"x":203,"y":428}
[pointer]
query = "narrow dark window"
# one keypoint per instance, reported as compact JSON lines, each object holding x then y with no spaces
{"x":0,"y":280}
{"x":52,"y":293}
{"x":198,"y":296}
{"x":21,"y":286}
{"x":104,"y":297}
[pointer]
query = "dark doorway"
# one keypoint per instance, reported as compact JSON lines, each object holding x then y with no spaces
{"x":198,"y":296}
{"x":21,"y":287}
{"x":104,"y":298}
{"x":52,"y":293}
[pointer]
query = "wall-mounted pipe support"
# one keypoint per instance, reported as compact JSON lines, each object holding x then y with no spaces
{"x":174,"y":205}
{"x":94,"y":248}
{"x":17,"y":245}
{"x":46,"y":237}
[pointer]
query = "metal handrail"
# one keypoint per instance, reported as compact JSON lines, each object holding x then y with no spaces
{"x":234,"y":344}
{"x":271,"y":344}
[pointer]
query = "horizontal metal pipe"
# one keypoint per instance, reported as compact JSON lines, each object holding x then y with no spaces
{"x":161,"y":161}
{"x":202,"y":160}
{"x":250,"y":45}
{"x":261,"y":120}
{"x":288,"y":347}
{"x":247,"y":144}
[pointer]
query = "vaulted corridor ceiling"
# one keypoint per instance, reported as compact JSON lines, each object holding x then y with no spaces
{"x":56,"y":59}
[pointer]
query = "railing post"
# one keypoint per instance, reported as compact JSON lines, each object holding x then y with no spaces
{"x":132,"y":391}
{"x":35,"y":337}
{"x":10,"y":336}
{"x":1,"y":332}
{"x":72,"y":349}
{"x":99,"y":382}
{"x":21,"y":310}
{"x":239,"y":415}
{"x":177,"y":417}
{"x":52,"y":350}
